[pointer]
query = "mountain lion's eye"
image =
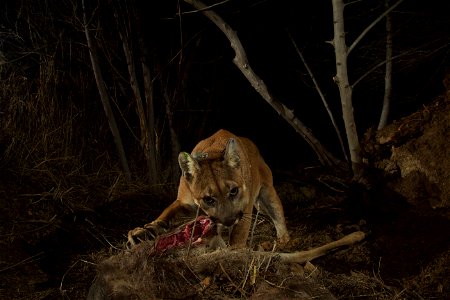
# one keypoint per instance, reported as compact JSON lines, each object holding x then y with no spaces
{"x":209,"y":200}
{"x":234,"y":191}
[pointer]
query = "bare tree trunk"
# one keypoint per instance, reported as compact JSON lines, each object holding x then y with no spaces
{"x":240,"y":60}
{"x":173,"y":138}
{"x":345,"y":89}
{"x":150,"y":113}
{"x":104,"y":98}
{"x":155,"y":156}
{"x":145,"y":141}
{"x":388,"y":75}
{"x":145,"y":131}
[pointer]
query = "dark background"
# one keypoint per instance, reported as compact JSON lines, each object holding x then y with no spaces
{"x":49,"y":90}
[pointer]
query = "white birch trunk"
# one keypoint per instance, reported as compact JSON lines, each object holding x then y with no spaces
{"x":345,"y":89}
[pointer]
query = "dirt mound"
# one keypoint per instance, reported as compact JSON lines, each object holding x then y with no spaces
{"x":415,"y":153}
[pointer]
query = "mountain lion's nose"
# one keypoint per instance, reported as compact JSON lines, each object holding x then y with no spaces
{"x":227,"y":221}
{"x":230,"y":221}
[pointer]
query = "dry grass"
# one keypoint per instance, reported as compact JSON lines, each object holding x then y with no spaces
{"x":228,"y":275}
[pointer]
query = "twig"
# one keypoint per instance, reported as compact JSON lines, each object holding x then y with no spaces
{"x":25,"y":261}
{"x":181,"y":274}
{"x":386,"y":61}
{"x":231,"y":281}
{"x":39,"y":221}
{"x":368,"y":28}
{"x":352,"y":2}
{"x":87,"y":262}
{"x":248,"y":272}
{"x":193,"y":230}
{"x":329,"y":186}
{"x":46,"y":224}
{"x":282,"y":287}
{"x":101,"y":234}
{"x":254,"y":226}
{"x":312,"y":272}
{"x":203,"y":9}
{"x":319,"y":91}
{"x":193,"y":273}
{"x":64,"y":276}
{"x":270,"y":257}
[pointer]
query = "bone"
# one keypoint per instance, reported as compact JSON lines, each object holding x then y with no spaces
{"x":308,"y":255}
{"x":203,"y":262}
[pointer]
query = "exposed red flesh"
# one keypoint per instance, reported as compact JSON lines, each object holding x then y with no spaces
{"x":183,"y":235}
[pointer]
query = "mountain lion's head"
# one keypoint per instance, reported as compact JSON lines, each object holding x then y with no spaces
{"x":216,"y":182}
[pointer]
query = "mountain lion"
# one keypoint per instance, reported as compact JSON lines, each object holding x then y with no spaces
{"x":224,"y":177}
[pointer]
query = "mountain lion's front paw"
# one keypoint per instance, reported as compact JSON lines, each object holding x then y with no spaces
{"x":149,"y":232}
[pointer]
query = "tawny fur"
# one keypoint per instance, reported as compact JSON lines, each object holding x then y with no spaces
{"x":225,"y":176}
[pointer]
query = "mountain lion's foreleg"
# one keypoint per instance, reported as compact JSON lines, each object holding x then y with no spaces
{"x":270,"y":205}
{"x":241,"y":230}
{"x":174,"y":213}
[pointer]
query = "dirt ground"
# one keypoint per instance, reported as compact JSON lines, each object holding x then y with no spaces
{"x":51,"y":249}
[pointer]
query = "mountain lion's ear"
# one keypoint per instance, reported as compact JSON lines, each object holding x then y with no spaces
{"x":189,"y":166}
{"x":231,"y":156}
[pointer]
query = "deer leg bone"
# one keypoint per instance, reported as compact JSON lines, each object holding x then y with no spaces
{"x":205,"y":262}
{"x":308,"y":255}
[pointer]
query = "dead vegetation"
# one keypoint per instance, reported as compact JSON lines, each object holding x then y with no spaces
{"x":223,"y":274}
{"x":150,"y":271}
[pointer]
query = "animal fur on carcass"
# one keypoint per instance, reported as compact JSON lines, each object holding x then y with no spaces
{"x":177,"y":265}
